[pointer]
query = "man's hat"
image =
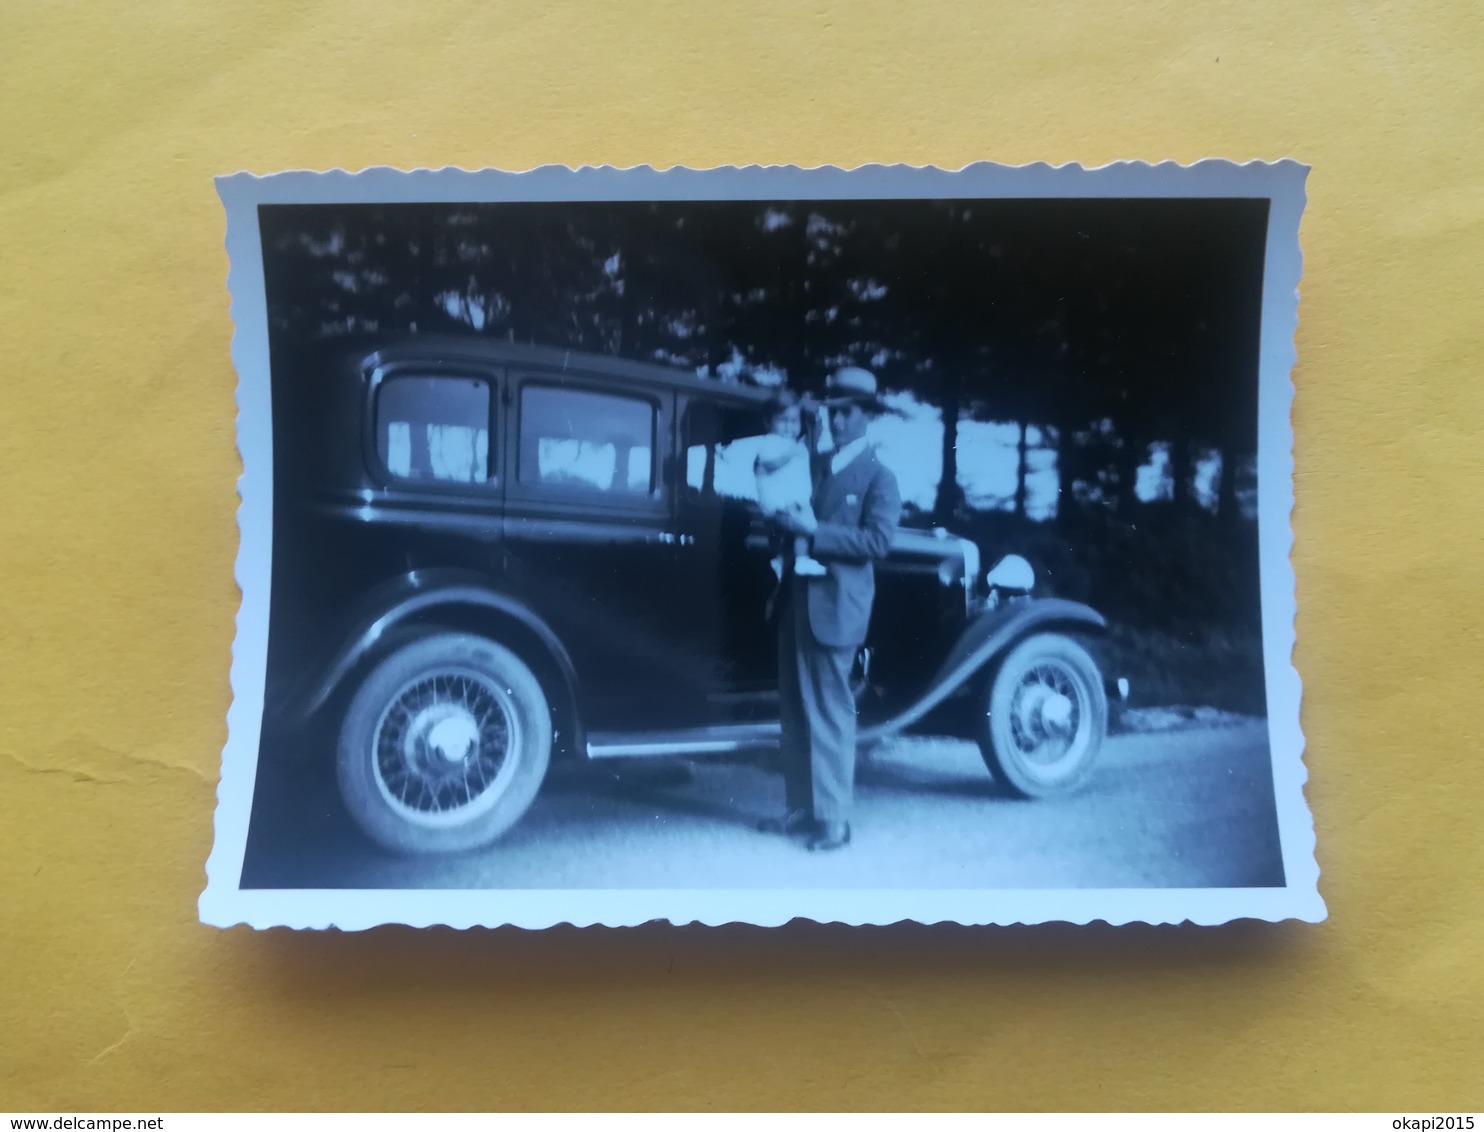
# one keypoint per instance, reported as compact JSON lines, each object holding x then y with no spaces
{"x":853,"y":386}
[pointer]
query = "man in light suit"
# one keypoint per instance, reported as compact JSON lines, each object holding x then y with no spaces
{"x":822,"y":621}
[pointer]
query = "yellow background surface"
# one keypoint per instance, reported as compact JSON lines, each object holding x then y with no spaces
{"x":117,"y":599}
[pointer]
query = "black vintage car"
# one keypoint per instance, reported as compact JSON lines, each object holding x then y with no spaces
{"x":488,"y":556}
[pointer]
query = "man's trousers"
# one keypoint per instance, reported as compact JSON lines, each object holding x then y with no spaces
{"x":818,"y":715}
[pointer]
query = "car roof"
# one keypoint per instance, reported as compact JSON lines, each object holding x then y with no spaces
{"x":376,"y":350}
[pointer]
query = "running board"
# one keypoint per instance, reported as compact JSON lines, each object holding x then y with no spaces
{"x":692,"y":741}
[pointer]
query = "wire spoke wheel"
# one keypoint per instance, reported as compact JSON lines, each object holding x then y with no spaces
{"x":445,"y":745}
{"x":1046,"y":712}
{"x":1045,"y":716}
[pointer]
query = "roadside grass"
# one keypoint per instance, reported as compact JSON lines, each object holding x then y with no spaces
{"x":1221,"y":669}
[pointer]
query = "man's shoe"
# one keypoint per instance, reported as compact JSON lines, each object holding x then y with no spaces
{"x":795,"y":821}
{"x":831,"y":835}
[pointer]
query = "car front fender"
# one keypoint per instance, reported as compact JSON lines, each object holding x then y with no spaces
{"x":985,"y":638}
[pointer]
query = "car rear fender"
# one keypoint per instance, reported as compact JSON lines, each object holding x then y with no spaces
{"x":985,"y":639}
{"x":464,"y":606}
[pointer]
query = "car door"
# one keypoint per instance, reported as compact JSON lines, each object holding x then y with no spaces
{"x":725,"y":560}
{"x":590,"y":542}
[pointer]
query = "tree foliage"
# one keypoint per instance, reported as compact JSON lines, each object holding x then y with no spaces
{"x":1108,"y":332}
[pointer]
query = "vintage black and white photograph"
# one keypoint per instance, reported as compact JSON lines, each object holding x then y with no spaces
{"x":750,"y":544}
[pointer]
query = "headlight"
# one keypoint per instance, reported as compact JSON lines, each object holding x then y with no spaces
{"x":1011,"y":573}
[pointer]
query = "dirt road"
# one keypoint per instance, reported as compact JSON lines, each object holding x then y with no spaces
{"x":1191,"y":808}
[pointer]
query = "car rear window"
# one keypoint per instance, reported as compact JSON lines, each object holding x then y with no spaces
{"x":434,"y":428}
{"x":584,"y":439}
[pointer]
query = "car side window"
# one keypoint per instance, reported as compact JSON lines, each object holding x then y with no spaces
{"x":434,"y":428}
{"x":584,"y":439}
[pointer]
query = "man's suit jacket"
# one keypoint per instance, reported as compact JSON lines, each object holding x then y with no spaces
{"x":858,"y":509}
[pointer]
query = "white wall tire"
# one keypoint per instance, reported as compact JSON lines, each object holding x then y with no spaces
{"x":1044,"y":717}
{"x":444,"y":746}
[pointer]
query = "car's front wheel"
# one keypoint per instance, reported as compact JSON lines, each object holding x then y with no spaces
{"x":445,"y":745}
{"x":1044,"y":717}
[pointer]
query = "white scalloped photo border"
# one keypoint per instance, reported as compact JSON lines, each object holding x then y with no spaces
{"x":224,"y":903}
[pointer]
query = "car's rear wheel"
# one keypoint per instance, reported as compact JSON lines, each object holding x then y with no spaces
{"x":444,"y":745}
{"x":1045,"y":715}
